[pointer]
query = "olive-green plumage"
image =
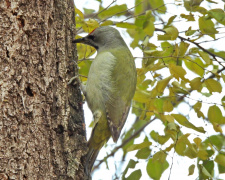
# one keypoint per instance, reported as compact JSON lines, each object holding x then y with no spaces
{"x":110,"y":87}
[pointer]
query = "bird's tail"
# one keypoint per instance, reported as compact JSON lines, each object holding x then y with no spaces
{"x":99,"y":136}
{"x":92,"y":155}
{"x":90,"y":159}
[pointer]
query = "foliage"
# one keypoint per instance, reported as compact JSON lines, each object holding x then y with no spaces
{"x":177,"y":69}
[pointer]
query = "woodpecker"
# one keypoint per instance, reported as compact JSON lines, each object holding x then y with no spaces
{"x":109,"y":89}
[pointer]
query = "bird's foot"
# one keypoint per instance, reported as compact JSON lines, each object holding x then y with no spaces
{"x":74,"y":80}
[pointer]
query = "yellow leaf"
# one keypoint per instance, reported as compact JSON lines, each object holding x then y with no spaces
{"x":169,"y":118}
{"x":196,"y":84}
{"x":169,"y":148}
{"x":177,"y":72}
{"x":167,"y":106}
{"x":142,"y":96}
{"x":90,"y":25}
{"x":77,"y":11}
{"x":213,"y":85}
{"x":217,"y":127}
{"x":202,"y":154}
{"x":197,"y":141}
{"x":161,"y":85}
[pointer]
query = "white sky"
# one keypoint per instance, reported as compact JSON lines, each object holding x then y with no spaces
{"x":180,"y":164}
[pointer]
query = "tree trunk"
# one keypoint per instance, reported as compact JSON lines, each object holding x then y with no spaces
{"x":42,"y":134}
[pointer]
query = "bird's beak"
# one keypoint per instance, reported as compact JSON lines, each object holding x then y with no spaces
{"x":80,"y":40}
{"x":85,"y":40}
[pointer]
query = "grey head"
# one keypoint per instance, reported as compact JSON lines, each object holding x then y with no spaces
{"x":102,"y":37}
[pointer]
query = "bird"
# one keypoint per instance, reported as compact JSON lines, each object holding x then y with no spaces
{"x":109,"y":89}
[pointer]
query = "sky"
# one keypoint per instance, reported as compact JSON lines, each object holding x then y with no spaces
{"x":179,"y":162}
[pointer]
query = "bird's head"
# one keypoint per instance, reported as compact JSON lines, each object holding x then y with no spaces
{"x":102,"y":37}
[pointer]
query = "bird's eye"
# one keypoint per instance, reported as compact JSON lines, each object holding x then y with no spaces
{"x":91,"y":37}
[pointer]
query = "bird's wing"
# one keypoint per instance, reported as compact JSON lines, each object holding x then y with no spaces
{"x":116,"y":115}
{"x":123,"y":82}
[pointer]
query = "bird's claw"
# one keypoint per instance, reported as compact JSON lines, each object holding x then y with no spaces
{"x":74,"y":79}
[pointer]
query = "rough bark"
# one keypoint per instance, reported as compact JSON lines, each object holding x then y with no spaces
{"x":42,"y":133}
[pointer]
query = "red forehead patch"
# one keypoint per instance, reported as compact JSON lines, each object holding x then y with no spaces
{"x":92,"y":31}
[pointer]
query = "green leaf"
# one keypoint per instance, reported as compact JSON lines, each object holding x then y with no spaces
{"x":88,"y":11}
{"x":216,"y":140}
{"x":183,"y":47}
{"x":158,"y":138}
{"x":139,"y":146}
{"x":158,"y":5}
{"x":183,"y":121}
{"x":155,"y":168}
{"x":207,"y":26}
{"x":205,"y":57}
{"x":191,"y":169}
{"x":139,"y":7}
{"x":148,"y":25}
{"x":205,"y":172}
{"x":223,"y":76}
{"x":126,"y":25}
{"x":190,"y":152}
{"x":113,"y":10}
{"x":158,"y":103}
{"x":171,"y":34}
{"x":131,"y":165}
{"x":218,"y":14}
{"x":143,"y":153}
{"x":209,"y":166}
{"x":195,"y":65}
{"x":134,"y":175}
{"x":221,"y":169}
{"x":107,"y":23}
{"x":190,"y":32}
{"x":149,"y":28}
{"x":215,"y":115}
{"x":189,"y":17}
{"x":181,"y":144}
{"x":220,"y":159}
{"x":197,"y":108}
{"x":213,"y":85}
{"x":171,"y":19}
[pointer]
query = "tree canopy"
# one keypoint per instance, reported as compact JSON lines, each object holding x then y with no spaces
{"x":180,"y":83}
